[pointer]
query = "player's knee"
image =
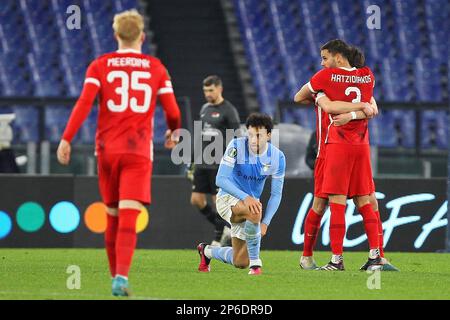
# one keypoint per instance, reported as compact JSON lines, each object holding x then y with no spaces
{"x":239,"y":210}
{"x":361,"y":201}
{"x":130,"y":204}
{"x":197,"y":201}
{"x":240,"y":258}
{"x":319,"y":209}
{"x":112,"y":211}
{"x":373,"y":202}
{"x":241,"y":264}
{"x":194,"y":201}
{"x":254,"y":218}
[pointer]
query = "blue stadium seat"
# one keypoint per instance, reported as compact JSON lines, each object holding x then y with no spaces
{"x":45,"y":75}
{"x":434,"y":129}
{"x":303,"y":22}
{"x":55,"y":121}
{"x":382,"y":131}
{"x":442,"y":130}
{"x":74,"y":74}
{"x":26,"y":124}
{"x":88,"y":129}
{"x":427,"y":80}
{"x":404,"y":124}
{"x":281,"y":39}
{"x":160,"y":126}
{"x":125,"y":5}
{"x":304,"y":117}
{"x":15,"y":74}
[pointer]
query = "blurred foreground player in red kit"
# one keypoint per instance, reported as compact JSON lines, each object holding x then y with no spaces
{"x":127,"y":83}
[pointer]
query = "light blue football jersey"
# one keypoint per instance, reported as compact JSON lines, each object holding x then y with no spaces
{"x":250,"y":171}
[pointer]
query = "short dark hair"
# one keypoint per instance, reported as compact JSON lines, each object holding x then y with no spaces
{"x":356,"y":57}
{"x":257,"y":120}
{"x":336,"y":46}
{"x":212,"y":80}
{"x":353,"y":54}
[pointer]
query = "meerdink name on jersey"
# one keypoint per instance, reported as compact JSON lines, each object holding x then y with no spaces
{"x":129,"y":62}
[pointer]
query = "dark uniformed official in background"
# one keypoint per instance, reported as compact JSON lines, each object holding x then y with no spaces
{"x":311,"y":151}
{"x":7,"y":158}
{"x":217,"y":115}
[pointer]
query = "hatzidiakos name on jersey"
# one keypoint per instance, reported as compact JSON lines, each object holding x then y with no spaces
{"x":350,"y":79}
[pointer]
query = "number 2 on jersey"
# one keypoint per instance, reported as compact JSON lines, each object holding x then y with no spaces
{"x":356,"y":90}
{"x":124,"y":89}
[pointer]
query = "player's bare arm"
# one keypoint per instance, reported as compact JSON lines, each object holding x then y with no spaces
{"x":263,"y":229}
{"x":171,"y":139}
{"x":304,"y":96}
{"x":341,"y":107}
{"x":79,"y":114}
{"x":253,"y":204}
{"x":63,"y":152}
{"x":369,"y":113}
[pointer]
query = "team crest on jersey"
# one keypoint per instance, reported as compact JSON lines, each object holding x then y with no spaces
{"x":266,"y":167}
{"x":215,"y":114}
{"x":232,"y":153}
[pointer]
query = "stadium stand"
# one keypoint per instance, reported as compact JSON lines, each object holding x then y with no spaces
{"x":409,"y":57}
{"x":41,"y":57}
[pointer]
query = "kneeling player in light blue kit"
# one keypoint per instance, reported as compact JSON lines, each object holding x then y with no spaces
{"x":244,"y":168}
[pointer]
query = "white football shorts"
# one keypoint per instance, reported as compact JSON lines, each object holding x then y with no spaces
{"x":223,"y":205}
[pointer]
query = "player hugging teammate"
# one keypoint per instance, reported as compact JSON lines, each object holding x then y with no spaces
{"x":343,"y":92}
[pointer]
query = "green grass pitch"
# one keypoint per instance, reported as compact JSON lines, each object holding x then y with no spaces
{"x":172,"y":274}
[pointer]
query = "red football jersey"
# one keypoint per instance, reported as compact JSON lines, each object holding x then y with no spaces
{"x":127,"y":84}
{"x":322,"y":125}
{"x":350,"y":85}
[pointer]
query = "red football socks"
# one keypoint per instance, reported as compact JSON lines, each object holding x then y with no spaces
{"x":337,"y":228}
{"x":370,"y":225}
{"x":110,"y":241}
{"x":126,"y":240}
{"x":380,"y":234}
{"x":312,"y":225}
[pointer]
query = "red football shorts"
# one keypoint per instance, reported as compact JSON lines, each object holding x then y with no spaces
{"x":124,"y":177}
{"x":347,"y":170}
{"x":318,"y":178}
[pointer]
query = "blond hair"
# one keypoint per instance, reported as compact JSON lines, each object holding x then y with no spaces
{"x":128,"y":25}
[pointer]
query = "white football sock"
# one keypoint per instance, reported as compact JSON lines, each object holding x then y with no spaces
{"x":336,"y":258}
{"x":374,"y":253}
{"x":208,"y":252}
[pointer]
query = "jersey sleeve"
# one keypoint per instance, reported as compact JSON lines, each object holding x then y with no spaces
{"x":93,"y":74}
{"x":373,"y":78}
{"x":203,"y":109}
{"x":319,"y":95}
{"x":165,"y":84}
{"x":225,"y":171}
{"x":167,"y":98}
{"x":319,"y":81}
{"x":84,"y":103}
{"x":276,"y":190}
{"x":230,"y":154}
{"x":233,"y":118}
{"x":281,"y":168}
